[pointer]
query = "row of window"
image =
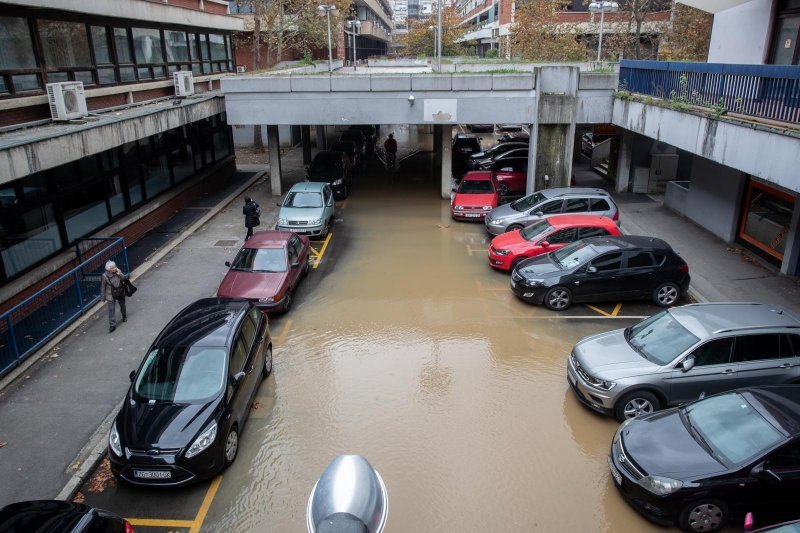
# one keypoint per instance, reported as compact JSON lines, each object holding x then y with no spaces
{"x":42,"y":214}
{"x":37,"y":51}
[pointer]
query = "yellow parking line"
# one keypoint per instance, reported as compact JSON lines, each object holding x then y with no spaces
{"x":284,"y":332}
{"x":593,"y":308}
{"x":201,"y":514}
{"x":322,"y":250}
{"x":615,"y":312}
{"x":146,"y":522}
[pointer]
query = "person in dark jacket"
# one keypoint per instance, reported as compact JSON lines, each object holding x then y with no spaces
{"x":251,"y":212}
{"x":112,"y":291}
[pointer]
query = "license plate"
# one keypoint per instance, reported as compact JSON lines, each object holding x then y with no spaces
{"x":614,"y":472}
{"x":472,"y":215}
{"x":152,"y":474}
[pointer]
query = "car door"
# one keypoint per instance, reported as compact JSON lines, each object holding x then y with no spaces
{"x":576,"y":205}
{"x":557,"y":239}
{"x":713,"y":372}
{"x":774,"y":483}
{"x":247,"y":332}
{"x":764,"y":359}
{"x":238,"y":392}
{"x":600,"y":279}
{"x":294,"y":264}
{"x":328,"y":209}
{"x":639,"y":274}
{"x":550,"y":207}
{"x":591,"y":231}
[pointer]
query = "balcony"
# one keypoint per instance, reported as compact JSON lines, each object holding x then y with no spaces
{"x":368,"y":28}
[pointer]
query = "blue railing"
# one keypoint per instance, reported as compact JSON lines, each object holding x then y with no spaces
{"x":30,"y":324}
{"x":764,"y":91}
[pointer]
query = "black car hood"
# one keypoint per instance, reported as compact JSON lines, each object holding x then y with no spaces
{"x":163,"y":425}
{"x":539,"y":267}
{"x":662,"y":446}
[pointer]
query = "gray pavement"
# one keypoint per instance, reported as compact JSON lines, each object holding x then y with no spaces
{"x":55,"y":414}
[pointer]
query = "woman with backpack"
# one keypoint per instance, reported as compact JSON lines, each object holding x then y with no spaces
{"x":112,"y":290}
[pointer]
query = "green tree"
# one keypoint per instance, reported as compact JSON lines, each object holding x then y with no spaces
{"x":536,"y":34}
{"x":420,"y":37}
{"x":689,"y":35}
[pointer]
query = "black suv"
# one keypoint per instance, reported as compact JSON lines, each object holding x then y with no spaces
{"x":464,"y":145}
{"x":333,"y":168}
{"x":189,"y":400}
{"x":603,"y":268}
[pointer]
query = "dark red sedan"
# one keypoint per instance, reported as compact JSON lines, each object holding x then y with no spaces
{"x":477,"y":194}
{"x":268,"y":269}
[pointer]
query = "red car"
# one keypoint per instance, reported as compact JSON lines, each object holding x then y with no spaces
{"x":477,"y":194}
{"x":267,"y":270}
{"x":546,"y":235}
{"x":511,"y":174}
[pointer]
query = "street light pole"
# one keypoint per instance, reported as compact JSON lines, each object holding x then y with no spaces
{"x":439,"y":32}
{"x":354,"y":25}
{"x":602,"y":7}
{"x":327,"y":8}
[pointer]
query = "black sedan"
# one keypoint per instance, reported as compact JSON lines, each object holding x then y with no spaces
{"x":603,"y":268}
{"x":189,"y":399}
{"x":499,"y":149}
{"x":714,"y":459}
{"x":488,"y":162}
{"x":56,"y":516}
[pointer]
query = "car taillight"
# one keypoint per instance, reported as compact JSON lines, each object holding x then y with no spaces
{"x":683,"y":268}
{"x":616,"y":216}
{"x":128,"y":527}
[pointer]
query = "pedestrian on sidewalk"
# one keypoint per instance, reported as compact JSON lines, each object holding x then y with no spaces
{"x":251,"y":212}
{"x":112,"y":290}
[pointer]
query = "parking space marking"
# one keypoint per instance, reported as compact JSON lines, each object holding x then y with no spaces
{"x":147,"y":522}
{"x":489,"y":289}
{"x":284,"y":332}
{"x":479,"y":251}
{"x":615,"y":312}
{"x":201,"y":514}
{"x":596,"y":310}
{"x":319,"y":253}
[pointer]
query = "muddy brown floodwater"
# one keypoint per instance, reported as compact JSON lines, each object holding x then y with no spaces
{"x":409,"y":350}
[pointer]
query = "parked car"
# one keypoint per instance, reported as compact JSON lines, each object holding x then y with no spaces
{"x":56,"y":516}
{"x":465,"y":144}
{"x":548,"y":202}
{"x":358,"y":137}
{"x":477,"y":194}
{"x":307,"y":209}
{"x":334,"y":169}
{"x":481,"y":127}
{"x":547,"y":235}
{"x":486,"y":163}
{"x":510,"y":128}
{"x":678,"y":355}
{"x":189,"y":399}
{"x":603,"y":268}
{"x":350,"y":150}
{"x":511,"y":174}
{"x":792,"y":526}
{"x":267,"y":270}
{"x":514,"y":137}
{"x":713,"y":459}
{"x":478,"y":157}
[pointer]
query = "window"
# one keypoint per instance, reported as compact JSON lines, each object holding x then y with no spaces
{"x":598,"y":204}
{"x":766,"y":219}
{"x":155,"y":167}
{"x":715,"y":352}
{"x":550,"y":208}
{"x":122,"y":45}
{"x":102,"y":54}
{"x":217,"y":44}
{"x":640,"y":260}
{"x":177,"y":46}
{"x":562,"y":237}
{"x":147,"y":45}
{"x":292,"y":254}
{"x":297,"y":244}
{"x":760,"y":347}
{"x":16,"y":49}
{"x":605,"y":263}
{"x":585,"y":233}
{"x":239,"y":357}
{"x":64,"y":44}
{"x":248,"y":332}
{"x":577,"y":205}
{"x":787,"y":458}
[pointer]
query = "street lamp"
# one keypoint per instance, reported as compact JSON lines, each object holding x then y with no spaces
{"x":354,"y":25}
{"x":439,"y":46}
{"x":435,"y":38}
{"x":603,"y":7}
{"x":327,"y":8}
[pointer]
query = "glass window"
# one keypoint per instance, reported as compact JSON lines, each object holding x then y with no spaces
{"x":787,"y":458}
{"x":106,"y":76}
{"x":130,"y":164}
{"x":574,"y":254}
{"x":577,"y":205}
{"x":303,"y":199}
{"x":180,"y":154}
{"x":760,"y":347}
{"x":260,"y":260}
{"x":715,"y":352}
{"x":143,"y":73}
{"x":585,"y":233}
{"x":608,"y":262}
{"x":228,"y":48}
{"x":203,"y":46}
{"x":100,"y":44}
{"x":155,"y":167}
{"x":785,"y":44}
{"x":3,"y":86}
{"x":54,"y":77}
{"x":248,"y":332}
{"x":550,"y":208}
{"x":181,"y":374}
{"x":147,"y":45}
{"x":535,"y":230}
{"x":177,"y":46}
{"x":86,"y":76}
{"x":238,"y":358}
{"x":217,"y":44}
{"x":122,"y":45}
{"x":659,"y":338}
{"x":598,"y":204}
{"x":26,"y":82}
{"x":16,"y":48}
{"x":127,"y":74}
{"x":767,"y":218}
{"x":640,"y":260}
{"x":221,"y":143}
{"x":562,"y":237}
{"x":64,"y":44}
{"x":116,"y":199}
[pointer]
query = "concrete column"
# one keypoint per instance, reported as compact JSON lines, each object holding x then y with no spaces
{"x":322,"y":140}
{"x":274,"y":159}
{"x":446,"y":149}
{"x":530,"y":186}
{"x":791,"y":255}
{"x":305,"y":138}
{"x":553,"y":164}
{"x":624,"y":161}
{"x":437,"y":144}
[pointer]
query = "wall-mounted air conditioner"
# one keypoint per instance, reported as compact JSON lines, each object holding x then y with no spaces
{"x":67,"y":100}
{"x":184,"y":83}
{"x":240,"y":69}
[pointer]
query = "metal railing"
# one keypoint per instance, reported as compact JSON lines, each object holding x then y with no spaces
{"x":765,"y":91}
{"x":30,"y":324}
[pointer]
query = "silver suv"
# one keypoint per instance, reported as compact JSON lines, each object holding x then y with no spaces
{"x":548,"y":202}
{"x":685,"y":353}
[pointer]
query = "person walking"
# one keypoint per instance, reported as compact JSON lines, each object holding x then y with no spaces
{"x":251,"y":212}
{"x":112,"y":290}
{"x":391,"y":150}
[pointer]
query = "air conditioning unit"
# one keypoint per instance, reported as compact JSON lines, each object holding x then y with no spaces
{"x":184,"y":83}
{"x":240,"y":69}
{"x":67,"y":100}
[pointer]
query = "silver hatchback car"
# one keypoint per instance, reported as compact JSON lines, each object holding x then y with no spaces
{"x":308,"y":209}
{"x":685,"y":353}
{"x":548,"y":202}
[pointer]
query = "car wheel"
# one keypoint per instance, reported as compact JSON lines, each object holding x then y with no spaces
{"x":326,"y":229}
{"x":231,"y":447}
{"x":704,"y":516}
{"x":267,"y":363}
{"x":635,"y":404}
{"x":558,"y":298}
{"x":516,"y":262}
{"x":514,"y":227}
{"x":666,"y":294}
{"x":503,"y":189}
{"x":287,"y":301}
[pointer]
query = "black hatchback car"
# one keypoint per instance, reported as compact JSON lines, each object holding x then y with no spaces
{"x":56,"y":516}
{"x":189,"y":400}
{"x":333,"y":168}
{"x":603,"y":268}
{"x":713,"y":459}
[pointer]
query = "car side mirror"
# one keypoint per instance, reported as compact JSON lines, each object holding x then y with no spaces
{"x":132,"y":375}
{"x":279,"y":204}
{"x":591,"y":269}
{"x":544,"y":244}
{"x":539,"y":213}
{"x":766,"y":475}
{"x":687,"y":364}
{"x":295,"y":264}
{"x":238,"y":377}
{"x":228,"y":264}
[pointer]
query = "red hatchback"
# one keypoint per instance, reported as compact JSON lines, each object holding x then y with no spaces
{"x":477,"y":194}
{"x":267,"y":270}
{"x":546,"y":235}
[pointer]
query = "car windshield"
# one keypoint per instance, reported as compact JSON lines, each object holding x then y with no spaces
{"x":731,"y":427}
{"x":660,"y":338}
{"x":260,"y":260}
{"x":525,"y":203}
{"x":178,"y":374}
{"x":303,"y":199}
{"x":535,"y":230}
{"x":574,"y":254}
{"x":475,"y":187}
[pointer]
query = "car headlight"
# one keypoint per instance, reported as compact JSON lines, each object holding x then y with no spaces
{"x":598,"y":383}
{"x":487,"y":208}
{"x":281,"y":221}
{"x":533,"y":282}
{"x":496,"y":221}
{"x":337,"y":182}
{"x":502,"y":252}
{"x":202,"y":442}
{"x":315,"y":221}
{"x":459,"y":208}
{"x":660,"y":486}
{"x":114,"y":442}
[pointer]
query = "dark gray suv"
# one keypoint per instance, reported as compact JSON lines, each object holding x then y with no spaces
{"x":685,"y":353}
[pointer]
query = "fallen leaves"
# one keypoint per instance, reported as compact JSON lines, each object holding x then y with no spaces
{"x":102,"y":478}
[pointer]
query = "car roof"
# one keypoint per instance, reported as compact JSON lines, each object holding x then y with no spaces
{"x":478,"y":175}
{"x":572,"y":191}
{"x":206,"y":322}
{"x":707,"y":319}
{"x":567,"y":221}
{"x":627,"y":242}
{"x":268,"y":239}
{"x":308,"y":186}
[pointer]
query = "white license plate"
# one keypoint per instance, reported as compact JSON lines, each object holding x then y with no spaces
{"x":614,"y":472}
{"x":472,"y":215}
{"x":152,"y":474}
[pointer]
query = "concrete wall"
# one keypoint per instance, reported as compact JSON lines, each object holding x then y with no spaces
{"x":741,"y":34}
{"x":243,"y":135}
{"x":714,"y":197}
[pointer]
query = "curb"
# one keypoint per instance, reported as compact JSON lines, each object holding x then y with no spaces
{"x":94,"y":450}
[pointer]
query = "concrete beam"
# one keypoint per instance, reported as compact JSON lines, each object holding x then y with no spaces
{"x":274,"y":159}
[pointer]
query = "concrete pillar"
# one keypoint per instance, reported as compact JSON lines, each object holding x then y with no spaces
{"x":322,"y":141}
{"x":437,"y":144}
{"x":530,"y":186}
{"x":553,"y":163}
{"x":446,"y":149}
{"x":791,"y":255}
{"x":274,"y":159}
{"x":624,"y":161}
{"x":305,"y":138}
